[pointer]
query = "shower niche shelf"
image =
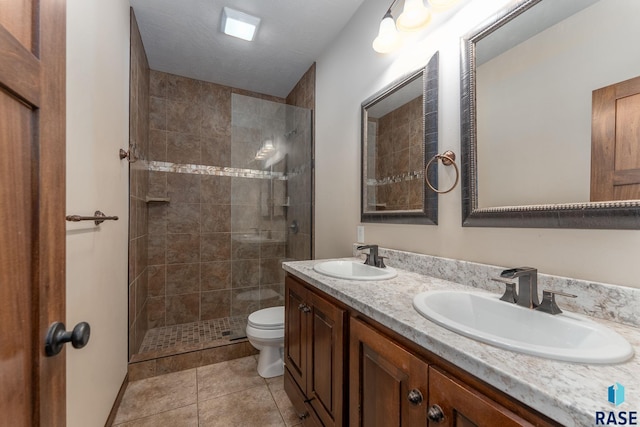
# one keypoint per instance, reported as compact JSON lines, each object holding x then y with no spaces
{"x":157,"y":199}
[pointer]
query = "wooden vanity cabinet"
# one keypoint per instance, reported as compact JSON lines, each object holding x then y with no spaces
{"x":453,"y":403}
{"x":391,"y":386}
{"x":387,"y":385}
{"x":314,"y":352}
{"x":391,"y":381}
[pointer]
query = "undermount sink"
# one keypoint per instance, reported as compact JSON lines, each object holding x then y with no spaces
{"x":566,"y":336}
{"x":351,"y":270}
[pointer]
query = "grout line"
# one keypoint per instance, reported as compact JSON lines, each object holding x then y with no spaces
{"x":276,"y":403}
{"x":197,"y":397}
{"x":151,"y":415}
{"x":231,"y":392}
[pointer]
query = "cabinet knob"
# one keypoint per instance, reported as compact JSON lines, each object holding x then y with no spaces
{"x":435,"y":414}
{"x":302,"y":415}
{"x":304,"y":307}
{"x":415,"y":397}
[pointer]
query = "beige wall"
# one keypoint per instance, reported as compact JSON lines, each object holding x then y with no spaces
{"x":348,"y":73}
{"x":97,"y":126}
{"x":557,"y":154}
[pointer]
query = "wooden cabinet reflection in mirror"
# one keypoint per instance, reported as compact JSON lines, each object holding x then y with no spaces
{"x":615,"y":142}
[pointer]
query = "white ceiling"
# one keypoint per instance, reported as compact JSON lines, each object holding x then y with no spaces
{"x":183,"y":37}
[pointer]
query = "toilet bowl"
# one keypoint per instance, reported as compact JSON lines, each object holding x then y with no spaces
{"x":265,"y":331}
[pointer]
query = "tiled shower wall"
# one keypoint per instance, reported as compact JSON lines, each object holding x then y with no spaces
{"x":300,"y":245}
{"x":211,"y":253}
{"x":138,"y":189}
{"x":399,"y":150}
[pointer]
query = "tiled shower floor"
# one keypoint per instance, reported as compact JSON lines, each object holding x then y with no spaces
{"x":176,"y":339}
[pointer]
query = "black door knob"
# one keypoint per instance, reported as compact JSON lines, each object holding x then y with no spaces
{"x":57,"y":337}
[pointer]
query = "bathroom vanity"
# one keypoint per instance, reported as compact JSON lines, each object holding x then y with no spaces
{"x":357,"y":353}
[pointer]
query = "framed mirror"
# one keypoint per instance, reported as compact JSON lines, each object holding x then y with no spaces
{"x":550,"y":100}
{"x":399,"y":136}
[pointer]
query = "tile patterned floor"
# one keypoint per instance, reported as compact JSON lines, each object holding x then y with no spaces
{"x":224,"y":394}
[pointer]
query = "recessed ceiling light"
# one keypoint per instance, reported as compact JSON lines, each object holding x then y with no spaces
{"x":239,"y":24}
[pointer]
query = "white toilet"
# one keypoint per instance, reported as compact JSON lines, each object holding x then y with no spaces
{"x":265,"y":331}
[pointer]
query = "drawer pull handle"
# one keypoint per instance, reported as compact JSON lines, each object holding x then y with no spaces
{"x":415,"y":397}
{"x":304,"y":307}
{"x":435,"y":414}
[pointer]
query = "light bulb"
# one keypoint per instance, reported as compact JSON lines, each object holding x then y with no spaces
{"x":388,"y":38}
{"x":442,"y":5}
{"x":415,"y":16}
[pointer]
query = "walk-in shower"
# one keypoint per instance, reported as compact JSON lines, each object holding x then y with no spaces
{"x":229,"y":199}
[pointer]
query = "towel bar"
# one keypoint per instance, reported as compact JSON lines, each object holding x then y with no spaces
{"x":98,"y":218}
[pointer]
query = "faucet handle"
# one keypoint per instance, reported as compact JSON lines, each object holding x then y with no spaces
{"x":380,"y":263}
{"x":548,"y":304}
{"x":510,"y":294}
{"x":368,"y":259}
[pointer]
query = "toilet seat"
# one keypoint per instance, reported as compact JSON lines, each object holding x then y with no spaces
{"x":267,"y":318}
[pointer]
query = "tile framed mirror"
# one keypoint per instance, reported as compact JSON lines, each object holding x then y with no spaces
{"x":550,"y":100}
{"x":399,"y":129}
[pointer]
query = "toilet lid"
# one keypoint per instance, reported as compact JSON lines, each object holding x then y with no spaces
{"x":267,"y":318}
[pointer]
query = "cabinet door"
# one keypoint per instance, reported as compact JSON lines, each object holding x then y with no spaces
{"x":387,"y":384}
{"x":462,"y":406}
{"x":295,"y":336}
{"x":325,"y":380}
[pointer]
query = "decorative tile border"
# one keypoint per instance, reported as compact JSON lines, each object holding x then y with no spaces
{"x":601,"y":300}
{"x":408,"y":176}
{"x":214,"y":170}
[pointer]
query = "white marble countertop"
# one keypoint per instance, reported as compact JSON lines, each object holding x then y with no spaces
{"x":569,"y":393}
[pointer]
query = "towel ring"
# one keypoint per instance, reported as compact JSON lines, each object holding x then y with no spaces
{"x":448,"y":158}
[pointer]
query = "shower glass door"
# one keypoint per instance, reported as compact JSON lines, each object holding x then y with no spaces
{"x":271,"y":199}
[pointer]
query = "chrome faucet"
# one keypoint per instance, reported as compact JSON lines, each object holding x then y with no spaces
{"x":372,"y":257}
{"x":527,"y":295}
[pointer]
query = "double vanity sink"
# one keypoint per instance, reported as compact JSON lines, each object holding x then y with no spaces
{"x":484,"y":317}
{"x":350,"y":270}
{"x":560,"y":365}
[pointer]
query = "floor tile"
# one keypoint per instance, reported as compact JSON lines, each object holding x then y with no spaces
{"x":181,"y":417}
{"x":275,"y":383}
{"x":228,"y":377}
{"x":287,"y":411}
{"x":154,"y":395}
{"x":248,"y":408}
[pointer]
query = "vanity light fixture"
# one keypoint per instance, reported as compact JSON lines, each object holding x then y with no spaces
{"x":239,"y":24}
{"x":414,"y":17}
{"x":442,"y":5}
{"x":388,"y":38}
